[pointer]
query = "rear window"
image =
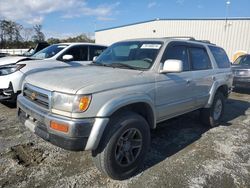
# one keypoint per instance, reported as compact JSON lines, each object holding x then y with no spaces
{"x":220,"y":57}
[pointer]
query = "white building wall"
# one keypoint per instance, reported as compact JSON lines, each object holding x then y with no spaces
{"x":233,"y":35}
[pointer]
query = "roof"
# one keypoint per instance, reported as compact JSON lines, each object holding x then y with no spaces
{"x":166,"y":39}
{"x":176,"y":19}
{"x":80,"y":43}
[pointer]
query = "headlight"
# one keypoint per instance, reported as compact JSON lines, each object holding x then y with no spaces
{"x":70,"y":103}
{"x":8,"y":69}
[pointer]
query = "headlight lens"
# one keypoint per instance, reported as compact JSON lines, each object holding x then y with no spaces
{"x":8,"y":69}
{"x":70,"y":103}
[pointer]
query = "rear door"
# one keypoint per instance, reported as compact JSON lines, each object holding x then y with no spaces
{"x":201,"y":67}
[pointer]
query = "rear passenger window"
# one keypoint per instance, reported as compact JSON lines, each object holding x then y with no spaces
{"x":179,"y":53}
{"x":199,"y":59}
{"x":220,"y":57}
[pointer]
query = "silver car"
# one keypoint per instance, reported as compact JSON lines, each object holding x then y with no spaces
{"x":111,"y":105}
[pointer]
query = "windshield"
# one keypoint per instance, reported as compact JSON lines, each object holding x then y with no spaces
{"x":49,"y":51}
{"x":132,"y":55}
{"x":243,"y":60}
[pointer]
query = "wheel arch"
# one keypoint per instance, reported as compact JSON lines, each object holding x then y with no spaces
{"x":138,"y":103}
{"x":223,"y":88}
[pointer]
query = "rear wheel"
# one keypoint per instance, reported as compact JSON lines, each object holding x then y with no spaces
{"x":212,"y":116}
{"x":124,"y":146}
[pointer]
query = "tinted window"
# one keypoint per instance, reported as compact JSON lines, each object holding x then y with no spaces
{"x":220,"y":57}
{"x":179,"y":53}
{"x":95,"y":51}
{"x":199,"y":59}
{"x":79,"y":53}
{"x":243,"y":60}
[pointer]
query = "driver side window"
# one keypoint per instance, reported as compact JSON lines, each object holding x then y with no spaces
{"x":178,"y":52}
{"x":79,"y":53}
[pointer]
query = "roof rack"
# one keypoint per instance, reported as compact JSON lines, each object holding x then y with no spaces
{"x":191,"y":39}
{"x":182,"y":37}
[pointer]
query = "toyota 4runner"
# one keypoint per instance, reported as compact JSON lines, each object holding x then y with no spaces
{"x":111,"y":105}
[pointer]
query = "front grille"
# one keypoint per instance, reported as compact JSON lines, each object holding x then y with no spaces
{"x":37,"y":96}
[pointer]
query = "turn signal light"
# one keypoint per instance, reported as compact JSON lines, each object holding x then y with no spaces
{"x":84,"y":103}
{"x":59,"y":127}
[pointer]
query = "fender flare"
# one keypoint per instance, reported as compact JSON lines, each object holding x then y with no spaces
{"x":111,"y":106}
{"x":117,"y":103}
{"x":212,"y":93}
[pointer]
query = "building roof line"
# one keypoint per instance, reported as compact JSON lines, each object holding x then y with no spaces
{"x":175,"y":19}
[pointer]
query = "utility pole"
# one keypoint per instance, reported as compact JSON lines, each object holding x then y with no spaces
{"x":228,"y":3}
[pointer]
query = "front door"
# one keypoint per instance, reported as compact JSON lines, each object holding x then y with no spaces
{"x":174,"y":91}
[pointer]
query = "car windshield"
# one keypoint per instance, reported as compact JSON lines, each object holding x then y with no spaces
{"x":243,"y":60}
{"x":49,"y":51}
{"x":131,"y":55}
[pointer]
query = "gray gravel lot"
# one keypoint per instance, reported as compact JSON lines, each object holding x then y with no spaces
{"x":184,"y":153}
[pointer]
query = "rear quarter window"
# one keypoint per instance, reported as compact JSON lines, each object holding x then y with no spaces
{"x":220,"y":57}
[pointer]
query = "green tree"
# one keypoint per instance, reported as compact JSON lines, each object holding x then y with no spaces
{"x":53,"y":40}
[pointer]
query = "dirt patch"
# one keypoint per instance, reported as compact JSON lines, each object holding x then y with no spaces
{"x":27,"y":155}
{"x":183,"y":153}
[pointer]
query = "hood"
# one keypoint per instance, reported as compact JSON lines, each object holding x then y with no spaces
{"x":11,"y":60}
{"x":47,"y":64}
{"x":86,"y":79}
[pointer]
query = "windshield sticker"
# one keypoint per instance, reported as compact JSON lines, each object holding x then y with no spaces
{"x":151,"y":46}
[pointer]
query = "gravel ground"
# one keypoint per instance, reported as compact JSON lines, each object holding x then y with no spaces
{"x":184,"y":153}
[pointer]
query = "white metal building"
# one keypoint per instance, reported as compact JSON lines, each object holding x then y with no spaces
{"x":232,"y":34}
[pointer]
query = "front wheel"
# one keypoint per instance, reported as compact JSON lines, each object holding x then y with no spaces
{"x":124,"y":146}
{"x":212,"y":116}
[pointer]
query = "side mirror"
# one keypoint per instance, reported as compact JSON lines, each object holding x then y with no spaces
{"x":172,"y":65}
{"x":94,"y":58}
{"x":67,"y":57}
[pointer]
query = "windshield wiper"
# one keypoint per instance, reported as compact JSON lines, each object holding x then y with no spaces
{"x":121,"y":65}
{"x":116,"y":65}
{"x":95,"y":63}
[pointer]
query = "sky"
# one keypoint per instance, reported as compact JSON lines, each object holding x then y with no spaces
{"x":64,"y":18}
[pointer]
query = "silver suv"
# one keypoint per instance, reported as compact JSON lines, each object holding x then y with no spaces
{"x":111,"y":105}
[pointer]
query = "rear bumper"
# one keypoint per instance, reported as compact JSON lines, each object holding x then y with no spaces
{"x":241,"y":82}
{"x":38,"y":121}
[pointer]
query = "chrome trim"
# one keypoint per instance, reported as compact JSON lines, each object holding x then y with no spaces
{"x":45,"y":118}
{"x":42,"y":91}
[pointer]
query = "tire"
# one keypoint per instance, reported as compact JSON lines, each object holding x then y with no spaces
{"x":115,"y":156}
{"x":212,"y":116}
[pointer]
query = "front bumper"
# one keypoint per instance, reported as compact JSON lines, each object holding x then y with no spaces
{"x":38,"y":121}
{"x":8,"y":93}
{"x":15,"y":79}
{"x":241,"y":82}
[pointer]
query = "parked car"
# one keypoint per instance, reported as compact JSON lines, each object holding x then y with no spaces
{"x":241,"y":71}
{"x":4,"y":54}
{"x":13,"y":70}
{"x":110,"y":106}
